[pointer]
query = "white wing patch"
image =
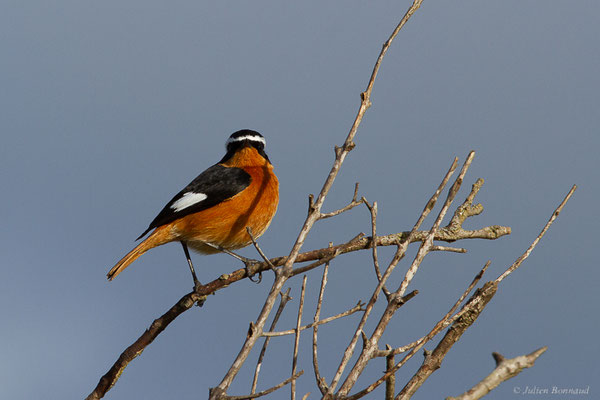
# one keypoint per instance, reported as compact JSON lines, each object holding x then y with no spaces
{"x":188,"y":199}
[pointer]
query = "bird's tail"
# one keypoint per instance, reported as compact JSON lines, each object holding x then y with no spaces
{"x":158,"y":237}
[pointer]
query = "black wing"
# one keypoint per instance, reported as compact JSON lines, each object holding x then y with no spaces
{"x":217,"y":183}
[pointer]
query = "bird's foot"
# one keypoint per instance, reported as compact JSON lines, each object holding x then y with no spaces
{"x":249,"y":267}
{"x":197,"y":289}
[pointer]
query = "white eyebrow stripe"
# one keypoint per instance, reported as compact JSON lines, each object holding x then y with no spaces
{"x":188,"y":199}
{"x":247,"y":137}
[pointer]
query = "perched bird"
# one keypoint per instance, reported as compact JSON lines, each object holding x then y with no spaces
{"x":211,"y":214}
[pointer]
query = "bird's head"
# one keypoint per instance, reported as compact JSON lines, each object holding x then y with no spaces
{"x":243,"y":139}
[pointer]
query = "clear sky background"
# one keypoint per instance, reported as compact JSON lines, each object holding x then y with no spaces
{"x":109,"y":108}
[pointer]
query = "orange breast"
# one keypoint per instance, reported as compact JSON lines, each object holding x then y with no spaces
{"x":225,"y":224}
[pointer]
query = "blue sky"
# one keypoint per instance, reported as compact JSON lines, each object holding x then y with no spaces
{"x":109,"y":108}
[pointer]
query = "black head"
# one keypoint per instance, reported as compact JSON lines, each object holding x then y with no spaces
{"x":245,"y":138}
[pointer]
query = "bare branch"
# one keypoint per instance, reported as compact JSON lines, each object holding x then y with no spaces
{"x":390,"y":383}
{"x":433,"y":360}
{"x":353,"y":203}
{"x":471,"y":304}
{"x":320,"y":380}
{"x":424,"y":249}
{"x":356,"y":308}
{"x":428,"y":242}
{"x":524,"y":256}
{"x":373,"y":210}
{"x":448,"y":249}
{"x":264,"y":392}
{"x":321,"y":256}
{"x":297,"y":337}
{"x":430,"y":204}
{"x":320,"y":261}
{"x":442,"y":323}
{"x":285,"y":297}
{"x":402,"y":246}
{"x":411,"y":10}
{"x":160,"y":324}
{"x":505,"y":369}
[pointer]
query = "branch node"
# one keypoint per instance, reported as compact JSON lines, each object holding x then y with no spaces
{"x":498,"y":358}
{"x":365,"y":339}
{"x":311,"y":203}
{"x":365,"y":99}
{"x":399,"y":301}
{"x":338,"y":151}
{"x":251,"y":329}
{"x":360,"y":305}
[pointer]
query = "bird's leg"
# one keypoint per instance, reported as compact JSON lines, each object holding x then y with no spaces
{"x":231,"y":253}
{"x":248,"y":262}
{"x":189,"y":260}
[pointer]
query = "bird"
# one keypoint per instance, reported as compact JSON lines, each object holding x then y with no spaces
{"x":213,"y":212}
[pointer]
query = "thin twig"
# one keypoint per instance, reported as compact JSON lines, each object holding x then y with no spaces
{"x":358,"y":307}
{"x":448,"y":249}
{"x":318,"y":263}
{"x":320,"y":381}
{"x":297,"y":338}
{"x":373,"y":211}
{"x":527,"y":252}
{"x":264,"y":392}
{"x":431,"y":203}
{"x":524,"y":256}
{"x":353,"y":203}
{"x":285,"y":297}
